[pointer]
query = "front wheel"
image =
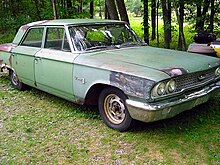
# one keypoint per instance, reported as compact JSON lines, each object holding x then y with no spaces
{"x":113,"y":109}
{"x":15,"y":82}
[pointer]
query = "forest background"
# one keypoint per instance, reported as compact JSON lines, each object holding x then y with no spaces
{"x":161,"y":23}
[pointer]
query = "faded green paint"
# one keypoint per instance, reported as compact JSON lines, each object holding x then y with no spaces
{"x":4,"y":58}
{"x":23,"y":63}
{"x":84,"y":77}
{"x":54,"y":72}
{"x":146,"y":62}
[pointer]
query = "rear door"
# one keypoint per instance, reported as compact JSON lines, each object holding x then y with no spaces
{"x":54,"y":64}
{"x":24,"y":55}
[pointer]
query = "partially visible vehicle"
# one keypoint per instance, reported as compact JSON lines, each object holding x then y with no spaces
{"x":103,"y":62}
{"x":202,"y":44}
{"x":216,"y":46}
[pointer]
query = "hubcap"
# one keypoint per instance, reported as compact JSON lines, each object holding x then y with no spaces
{"x":114,"y":109}
{"x":14,"y":78}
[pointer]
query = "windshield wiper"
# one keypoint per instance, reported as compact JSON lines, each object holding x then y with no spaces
{"x":128,"y":44}
{"x":96,"y":47}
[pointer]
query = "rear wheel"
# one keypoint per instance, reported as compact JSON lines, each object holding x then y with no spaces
{"x":113,"y":109}
{"x":15,"y":82}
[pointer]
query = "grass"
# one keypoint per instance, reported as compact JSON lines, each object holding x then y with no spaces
{"x":38,"y":128}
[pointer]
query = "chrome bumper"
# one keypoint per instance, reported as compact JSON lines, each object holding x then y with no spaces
{"x":149,"y":112}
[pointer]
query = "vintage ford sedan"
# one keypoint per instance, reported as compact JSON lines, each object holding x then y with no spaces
{"x":103,"y":62}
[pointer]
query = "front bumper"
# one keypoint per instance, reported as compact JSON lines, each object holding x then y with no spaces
{"x":149,"y":112}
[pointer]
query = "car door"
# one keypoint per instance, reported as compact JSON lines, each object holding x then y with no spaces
{"x":54,"y":64}
{"x":24,"y":55}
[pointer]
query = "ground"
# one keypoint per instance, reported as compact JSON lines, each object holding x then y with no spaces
{"x":39,"y":128}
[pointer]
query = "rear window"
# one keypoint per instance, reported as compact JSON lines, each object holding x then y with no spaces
{"x":33,"y":38}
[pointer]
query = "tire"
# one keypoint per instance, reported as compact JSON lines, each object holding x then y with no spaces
{"x":113,"y":110}
{"x":15,"y":82}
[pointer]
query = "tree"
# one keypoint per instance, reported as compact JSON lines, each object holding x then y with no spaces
{"x":202,"y":9}
{"x":111,"y":6}
{"x":153,"y":19}
{"x":54,"y":9}
{"x":122,"y":10}
{"x":179,"y":9}
{"x":166,"y":7}
{"x":212,"y":14}
{"x":91,"y":7}
{"x":146,"y":25}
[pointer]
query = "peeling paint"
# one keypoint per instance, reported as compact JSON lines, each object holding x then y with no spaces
{"x":10,"y":60}
{"x":172,"y":72}
{"x":25,"y":27}
{"x":7,"y":47}
{"x":1,"y":62}
{"x":132,"y":85}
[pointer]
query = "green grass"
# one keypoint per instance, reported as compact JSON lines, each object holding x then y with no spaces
{"x":39,"y":128}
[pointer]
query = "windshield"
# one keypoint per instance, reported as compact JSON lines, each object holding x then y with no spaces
{"x":90,"y":37}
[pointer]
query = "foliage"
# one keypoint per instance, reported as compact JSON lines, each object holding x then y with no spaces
{"x":134,"y":6}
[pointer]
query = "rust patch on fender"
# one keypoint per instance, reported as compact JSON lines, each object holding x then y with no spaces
{"x":1,"y":62}
{"x":7,"y":47}
{"x":132,"y":85}
{"x":172,"y":72}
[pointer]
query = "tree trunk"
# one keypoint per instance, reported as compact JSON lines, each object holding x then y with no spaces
{"x":201,"y":14}
{"x":158,"y":42}
{"x":112,"y":9}
{"x":211,"y":25}
{"x":122,"y":10}
{"x":198,"y":16}
{"x":54,"y":9}
{"x":204,"y":11}
{"x":69,"y":8}
{"x":153,"y":19}
{"x":36,"y":2}
{"x":169,"y":9}
{"x":167,"y":23}
{"x":106,"y":12}
{"x":91,"y":9}
{"x":180,"y":20}
{"x":146,"y":26}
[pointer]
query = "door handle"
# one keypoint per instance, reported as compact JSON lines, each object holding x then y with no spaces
{"x":37,"y":58}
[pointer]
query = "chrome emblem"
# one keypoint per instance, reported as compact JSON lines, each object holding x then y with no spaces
{"x":201,"y":77}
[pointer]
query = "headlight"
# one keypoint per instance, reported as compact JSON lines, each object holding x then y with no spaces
{"x":159,"y":89}
{"x":170,"y":86}
{"x":217,"y":71}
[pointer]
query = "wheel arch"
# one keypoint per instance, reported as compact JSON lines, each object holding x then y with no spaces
{"x":92,"y":96}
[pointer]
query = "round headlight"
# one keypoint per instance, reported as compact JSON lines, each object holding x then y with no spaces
{"x":171,"y":86}
{"x":159,"y":89}
{"x":217,"y":71}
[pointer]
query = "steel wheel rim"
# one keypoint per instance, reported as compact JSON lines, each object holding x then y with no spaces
{"x":14,"y":78}
{"x":114,"y":109}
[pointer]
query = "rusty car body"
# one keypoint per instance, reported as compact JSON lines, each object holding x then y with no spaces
{"x":103,"y":62}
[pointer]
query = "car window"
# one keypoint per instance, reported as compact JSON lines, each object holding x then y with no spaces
{"x":102,"y":36}
{"x":33,"y":38}
{"x":56,"y":39}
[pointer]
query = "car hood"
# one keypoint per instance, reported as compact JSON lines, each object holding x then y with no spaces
{"x":145,"y":58}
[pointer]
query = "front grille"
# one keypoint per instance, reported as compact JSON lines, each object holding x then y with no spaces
{"x":195,"y":79}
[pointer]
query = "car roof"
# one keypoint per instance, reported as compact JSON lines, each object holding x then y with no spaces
{"x":63,"y":22}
